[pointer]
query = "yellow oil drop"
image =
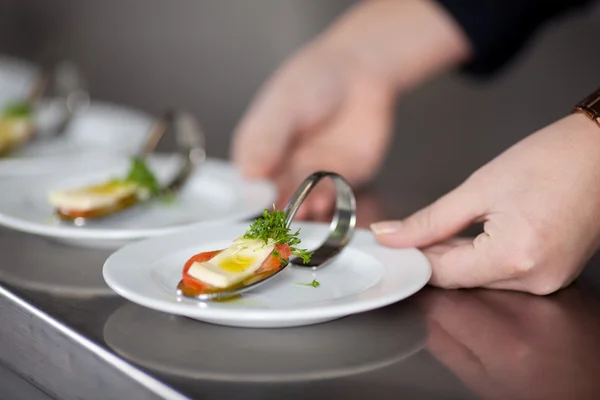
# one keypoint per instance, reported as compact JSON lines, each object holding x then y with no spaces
{"x":236,"y":263}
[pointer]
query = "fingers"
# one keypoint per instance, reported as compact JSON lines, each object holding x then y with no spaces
{"x":350,"y":142}
{"x":437,"y":222}
{"x":465,"y":265}
{"x":262,"y":138}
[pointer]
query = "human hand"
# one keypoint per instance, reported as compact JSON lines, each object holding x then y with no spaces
{"x":506,"y":345}
{"x":330,"y":107}
{"x":540,"y":204}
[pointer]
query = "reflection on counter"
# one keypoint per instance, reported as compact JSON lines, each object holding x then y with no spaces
{"x":506,"y":345}
{"x":52,"y":268}
{"x":182,"y":347}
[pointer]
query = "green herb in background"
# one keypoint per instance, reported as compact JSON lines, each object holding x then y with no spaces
{"x":17,"y":109}
{"x":140,"y":173}
{"x":169,"y":198}
{"x":314,"y":283}
{"x":272,"y":227}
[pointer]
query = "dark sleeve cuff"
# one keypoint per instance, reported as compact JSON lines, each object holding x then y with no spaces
{"x":498,"y":29}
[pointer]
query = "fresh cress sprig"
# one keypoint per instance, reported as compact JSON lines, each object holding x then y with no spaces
{"x":17,"y":109}
{"x":271,"y":227}
{"x":142,"y":175}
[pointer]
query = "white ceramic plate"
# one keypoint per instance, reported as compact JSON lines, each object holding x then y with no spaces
{"x":101,"y":131}
{"x":365,"y":276}
{"x":16,"y":77}
{"x":215,"y":193}
{"x":97,"y":132}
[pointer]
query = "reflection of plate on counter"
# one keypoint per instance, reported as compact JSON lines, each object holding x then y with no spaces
{"x":214,"y":193}
{"x":103,"y":130}
{"x":363,"y":277}
{"x":181,"y":347}
{"x":51,"y":268}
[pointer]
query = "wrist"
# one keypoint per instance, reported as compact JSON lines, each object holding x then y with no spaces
{"x":404,"y":42}
{"x":584,"y":136}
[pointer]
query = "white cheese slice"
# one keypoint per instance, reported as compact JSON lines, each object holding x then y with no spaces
{"x":14,"y":132}
{"x":91,"y":198}
{"x":234,"y":264}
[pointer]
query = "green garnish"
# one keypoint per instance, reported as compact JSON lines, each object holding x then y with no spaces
{"x":17,"y":109}
{"x":271,"y":228}
{"x":169,"y":197}
{"x":142,"y":175}
{"x":315,"y":283}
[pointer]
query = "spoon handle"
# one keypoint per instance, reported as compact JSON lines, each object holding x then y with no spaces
{"x":190,"y":141}
{"x":343,"y":222}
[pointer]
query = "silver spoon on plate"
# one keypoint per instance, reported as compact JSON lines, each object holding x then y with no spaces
{"x":341,"y":230}
{"x":191,"y":146}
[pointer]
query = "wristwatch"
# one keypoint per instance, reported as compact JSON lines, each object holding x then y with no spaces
{"x":590,"y":106}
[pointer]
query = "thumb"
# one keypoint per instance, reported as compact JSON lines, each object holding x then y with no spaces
{"x":437,"y":222}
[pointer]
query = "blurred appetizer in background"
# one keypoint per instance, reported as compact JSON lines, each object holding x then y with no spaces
{"x":16,"y":126}
{"x":108,"y":197}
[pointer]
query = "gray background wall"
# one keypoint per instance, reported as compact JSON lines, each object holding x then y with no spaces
{"x":209,"y":56}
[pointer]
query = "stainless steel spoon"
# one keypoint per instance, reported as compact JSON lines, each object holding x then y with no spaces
{"x":71,"y":88}
{"x":341,"y":230}
{"x":190,"y":140}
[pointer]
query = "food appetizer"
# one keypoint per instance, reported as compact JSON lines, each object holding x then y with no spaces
{"x":108,"y":197}
{"x":16,"y":126}
{"x":263,"y":250}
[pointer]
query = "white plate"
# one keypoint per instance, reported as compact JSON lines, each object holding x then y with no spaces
{"x":215,"y":193}
{"x":16,"y":77}
{"x":101,"y":131}
{"x":97,"y":132}
{"x":365,"y":276}
{"x":185,"y":348}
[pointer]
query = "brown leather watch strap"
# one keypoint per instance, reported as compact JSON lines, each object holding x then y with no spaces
{"x":590,"y":106}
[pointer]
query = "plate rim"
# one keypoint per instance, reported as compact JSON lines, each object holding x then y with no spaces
{"x":76,"y":233}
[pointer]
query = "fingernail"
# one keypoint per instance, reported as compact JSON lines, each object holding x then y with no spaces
{"x":386,"y":227}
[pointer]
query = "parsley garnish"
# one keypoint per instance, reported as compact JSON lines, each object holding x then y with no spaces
{"x":315,"y":283}
{"x":271,"y":228}
{"x":17,"y":109}
{"x":140,"y":173}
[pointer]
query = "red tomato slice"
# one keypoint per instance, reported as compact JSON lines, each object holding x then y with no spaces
{"x":273,"y":263}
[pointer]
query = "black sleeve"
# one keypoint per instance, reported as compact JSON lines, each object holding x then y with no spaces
{"x":498,"y":29}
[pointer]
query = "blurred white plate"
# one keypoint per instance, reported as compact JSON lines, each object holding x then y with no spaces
{"x":365,"y":276}
{"x":215,"y":193}
{"x":16,"y":77}
{"x":99,"y":131}
{"x":102,"y":130}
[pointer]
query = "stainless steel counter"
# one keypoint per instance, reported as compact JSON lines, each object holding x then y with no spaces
{"x":67,"y":334}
